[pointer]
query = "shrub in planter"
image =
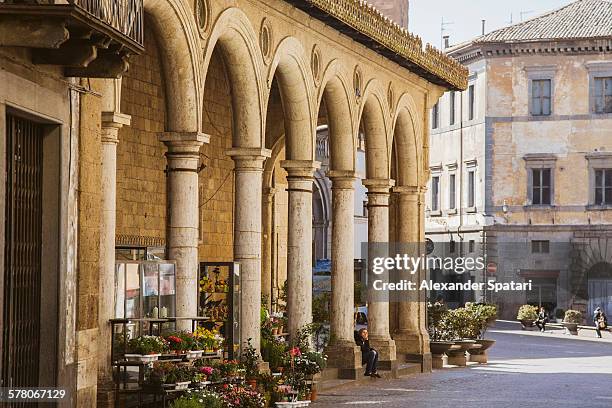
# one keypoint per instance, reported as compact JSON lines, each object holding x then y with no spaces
{"x":274,"y":351}
{"x":168,"y":373}
{"x":435,"y":315}
{"x":458,"y":324}
{"x":310,"y":363}
{"x":572,"y":316}
{"x":482,"y":316}
{"x":527,"y":313}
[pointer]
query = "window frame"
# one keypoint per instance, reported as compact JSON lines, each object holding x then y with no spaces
{"x":452,"y":108}
{"x":471,"y":101}
{"x":597,"y":69}
{"x":538,"y":73}
{"x":540,"y":98}
{"x":435,"y":116}
{"x":605,"y":79}
{"x":539,"y":161}
{"x":597,"y":161}
{"x":452,"y":192}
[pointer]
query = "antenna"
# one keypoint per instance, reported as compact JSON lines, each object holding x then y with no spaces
{"x":443,"y":25}
{"x":510,"y":21}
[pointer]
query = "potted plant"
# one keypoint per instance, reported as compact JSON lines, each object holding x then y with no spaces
{"x":145,"y":349}
{"x":527,"y":315}
{"x":482,"y":316}
{"x":169,"y":376}
{"x":440,"y":337}
{"x":240,"y":397}
{"x":571,"y":321}
{"x":250,"y":361}
{"x":176,"y":343}
{"x":199,"y":399}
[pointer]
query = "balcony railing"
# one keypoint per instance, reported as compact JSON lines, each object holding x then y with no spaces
{"x":125,"y":16}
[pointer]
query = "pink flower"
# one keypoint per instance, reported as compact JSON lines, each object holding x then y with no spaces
{"x":295,"y":352}
{"x":206,"y":370}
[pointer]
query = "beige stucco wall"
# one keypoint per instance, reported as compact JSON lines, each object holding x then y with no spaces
{"x":569,"y":133}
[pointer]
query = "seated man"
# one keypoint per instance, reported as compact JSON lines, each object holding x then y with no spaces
{"x":369,"y":356}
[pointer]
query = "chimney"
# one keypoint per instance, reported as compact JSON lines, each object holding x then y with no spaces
{"x":483,"y":27}
{"x":446,"y":37}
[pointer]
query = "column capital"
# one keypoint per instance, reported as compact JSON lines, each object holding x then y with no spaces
{"x":378,"y":186}
{"x":406,"y":190}
{"x":248,"y":157}
{"x":342,"y":179}
{"x":300,"y":168}
{"x":184,"y":138}
{"x":111,"y":123}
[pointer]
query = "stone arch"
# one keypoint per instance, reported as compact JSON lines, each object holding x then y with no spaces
{"x":373,"y":114}
{"x":339,"y":100}
{"x":291,"y":70}
{"x":177,"y":35}
{"x":235,"y":38}
{"x":407,"y":141}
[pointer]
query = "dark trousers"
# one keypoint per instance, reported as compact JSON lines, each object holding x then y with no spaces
{"x":597,"y":329}
{"x":371,"y":359}
{"x":541,"y":324}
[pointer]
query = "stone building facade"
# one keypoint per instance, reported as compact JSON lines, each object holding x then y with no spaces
{"x":396,"y":10}
{"x":528,"y":146}
{"x":194,"y":154}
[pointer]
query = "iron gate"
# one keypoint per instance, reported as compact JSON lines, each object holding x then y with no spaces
{"x":22,"y":249}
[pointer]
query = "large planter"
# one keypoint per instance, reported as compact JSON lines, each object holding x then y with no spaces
{"x":438,"y":348}
{"x":456,"y":354}
{"x":193,"y":354}
{"x":183,"y":385}
{"x":527,"y":323}
{"x":480,"y":354}
{"x":572,"y":328}
{"x":142,"y":358}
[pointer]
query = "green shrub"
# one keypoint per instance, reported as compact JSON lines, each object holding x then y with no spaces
{"x":573,"y":316}
{"x":527,"y":312}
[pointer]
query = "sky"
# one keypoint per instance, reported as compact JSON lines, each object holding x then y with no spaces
{"x":426,"y":16}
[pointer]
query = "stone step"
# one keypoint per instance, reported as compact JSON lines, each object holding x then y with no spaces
{"x":407,"y":369}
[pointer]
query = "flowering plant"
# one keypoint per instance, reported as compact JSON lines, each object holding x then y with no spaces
{"x":240,"y":397}
{"x":198,"y":399}
{"x":310,"y":363}
{"x":208,"y":339}
{"x":147,"y":345}
{"x":168,"y":373}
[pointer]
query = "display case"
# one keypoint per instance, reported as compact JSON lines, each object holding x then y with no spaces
{"x":219,"y":300}
{"x":145,"y":289}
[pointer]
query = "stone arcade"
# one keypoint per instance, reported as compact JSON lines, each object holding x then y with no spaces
{"x":204,"y":150}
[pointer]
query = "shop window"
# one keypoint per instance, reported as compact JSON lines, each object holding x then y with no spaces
{"x":540,"y":247}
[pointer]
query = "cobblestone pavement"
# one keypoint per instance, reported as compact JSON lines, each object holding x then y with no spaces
{"x":527,"y":371}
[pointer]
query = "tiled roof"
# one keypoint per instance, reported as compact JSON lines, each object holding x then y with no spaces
{"x":578,"y":20}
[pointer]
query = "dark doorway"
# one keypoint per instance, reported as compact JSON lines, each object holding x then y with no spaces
{"x":21,"y":322}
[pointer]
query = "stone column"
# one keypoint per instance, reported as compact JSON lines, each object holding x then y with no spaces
{"x":299,"y":242}
{"x":111,"y":123}
{"x":378,"y":240}
{"x":248,"y":170}
{"x":342,"y":351}
{"x":266,"y":262}
{"x":411,"y":337}
{"x":183,"y":158}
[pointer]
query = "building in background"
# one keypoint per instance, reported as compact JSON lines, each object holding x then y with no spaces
{"x":521,"y":162}
{"x":396,"y":10}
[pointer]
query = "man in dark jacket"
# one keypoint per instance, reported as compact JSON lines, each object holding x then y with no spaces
{"x":600,"y":320}
{"x":369,"y":356}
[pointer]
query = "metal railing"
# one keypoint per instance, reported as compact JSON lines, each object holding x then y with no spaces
{"x":125,"y":16}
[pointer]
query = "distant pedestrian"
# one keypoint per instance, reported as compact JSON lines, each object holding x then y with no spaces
{"x":542,"y":319}
{"x":600,"y":320}
{"x":369,"y":356}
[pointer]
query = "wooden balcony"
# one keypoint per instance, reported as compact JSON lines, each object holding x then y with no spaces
{"x":89,"y":38}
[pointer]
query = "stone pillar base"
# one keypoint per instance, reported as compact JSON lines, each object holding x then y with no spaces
{"x":347,"y":359}
{"x":409,"y":343}
{"x":105,"y":395}
{"x":387,"y":356}
{"x":482,"y":358}
{"x":457,"y":359}
{"x":437,"y":361}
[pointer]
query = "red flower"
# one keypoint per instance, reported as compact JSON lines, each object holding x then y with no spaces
{"x":175,"y":339}
{"x":295,"y":352}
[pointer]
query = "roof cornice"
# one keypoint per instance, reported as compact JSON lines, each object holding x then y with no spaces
{"x":366,"y":25}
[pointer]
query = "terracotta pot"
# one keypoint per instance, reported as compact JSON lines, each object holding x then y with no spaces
{"x":313,"y":394}
{"x":526,"y":323}
{"x":252,"y":383}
